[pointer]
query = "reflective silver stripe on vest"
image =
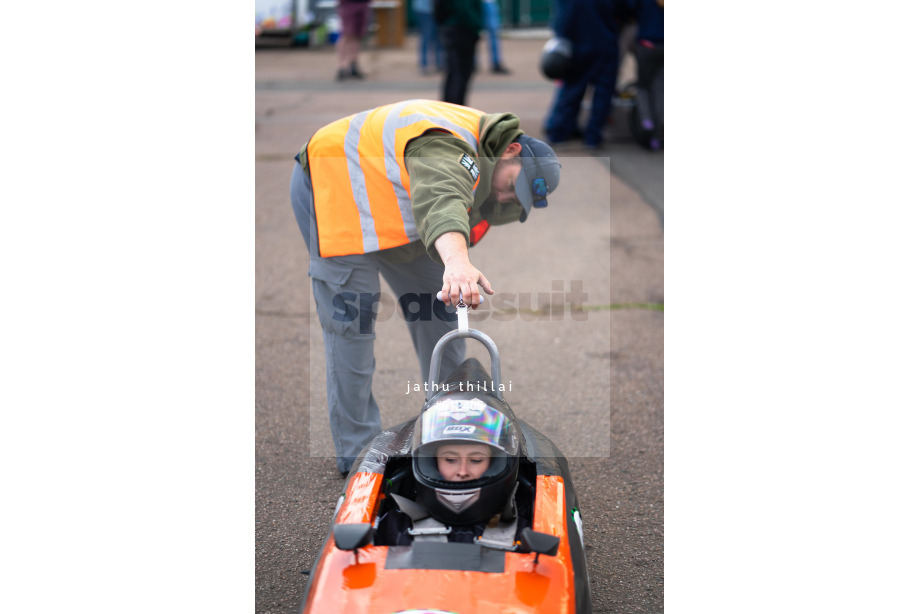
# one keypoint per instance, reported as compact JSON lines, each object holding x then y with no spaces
{"x":392,"y":123}
{"x":359,"y":185}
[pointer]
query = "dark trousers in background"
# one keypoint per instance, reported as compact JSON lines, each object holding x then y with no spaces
{"x":650,"y":88}
{"x":459,"y":45}
{"x":562,"y":122}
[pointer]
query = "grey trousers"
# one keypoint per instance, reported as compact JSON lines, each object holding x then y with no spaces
{"x":345,"y":290}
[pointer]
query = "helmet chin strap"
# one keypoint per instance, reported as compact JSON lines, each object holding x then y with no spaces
{"x":458,"y":500}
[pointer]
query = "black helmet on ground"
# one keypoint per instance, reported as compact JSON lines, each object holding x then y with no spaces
{"x":556,"y":61}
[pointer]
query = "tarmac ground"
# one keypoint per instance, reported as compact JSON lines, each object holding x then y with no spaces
{"x":592,"y":379}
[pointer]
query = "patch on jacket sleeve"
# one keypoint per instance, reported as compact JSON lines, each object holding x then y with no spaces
{"x":467,"y":162}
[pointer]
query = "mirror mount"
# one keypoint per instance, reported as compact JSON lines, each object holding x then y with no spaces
{"x":352,"y":536}
{"x":539,"y":543}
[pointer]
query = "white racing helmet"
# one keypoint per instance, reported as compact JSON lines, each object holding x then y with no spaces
{"x":466,"y":420}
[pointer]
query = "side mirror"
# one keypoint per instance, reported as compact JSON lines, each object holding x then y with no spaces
{"x":540,"y":543}
{"x":353,"y":536}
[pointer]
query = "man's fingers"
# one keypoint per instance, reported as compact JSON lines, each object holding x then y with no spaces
{"x":441,"y":297}
{"x":486,"y":286}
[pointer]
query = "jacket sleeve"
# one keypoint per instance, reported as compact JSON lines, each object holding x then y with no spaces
{"x":564,"y":18}
{"x":441,"y":182}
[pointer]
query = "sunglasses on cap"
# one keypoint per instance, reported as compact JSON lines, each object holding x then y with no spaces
{"x":538,"y":190}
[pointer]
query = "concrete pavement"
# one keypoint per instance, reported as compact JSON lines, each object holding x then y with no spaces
{"x":591,"y":379}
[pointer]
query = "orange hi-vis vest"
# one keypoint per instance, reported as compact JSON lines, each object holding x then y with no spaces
{"x":359,"y":176}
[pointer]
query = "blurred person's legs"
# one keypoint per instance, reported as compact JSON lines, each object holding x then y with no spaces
{"x":429,"y":44}
{"x":355,"y":18}
{"x":562,"y":122}
{"x":459,"y":49}
{"x":493,"y":22}
{"x":440,"y":62}
{"x":603,"y":77}
{"x":650,"y":91}
{"x":657,"y":92}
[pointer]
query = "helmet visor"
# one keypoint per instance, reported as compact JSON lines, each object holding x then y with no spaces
{"x":467,"y":421}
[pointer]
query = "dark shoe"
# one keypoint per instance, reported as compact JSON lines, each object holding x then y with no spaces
{"x":355,"y":73}
{"x":347,"y":461}
{"x":500,"y":70}
{"x":341,"y":75}
{"x":555,"y":140}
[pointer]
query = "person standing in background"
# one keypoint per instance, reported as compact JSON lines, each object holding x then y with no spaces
{"x":493,"y":23}
{"x":459,"y":24}
{"x":429,"y":46}
{"x":356,"y":17}
{"x":593,"y":27}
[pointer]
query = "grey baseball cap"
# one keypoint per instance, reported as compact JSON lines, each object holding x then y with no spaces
{"x":540,"y":171}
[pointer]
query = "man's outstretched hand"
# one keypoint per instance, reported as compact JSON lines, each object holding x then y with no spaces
{"x":461,"y":278}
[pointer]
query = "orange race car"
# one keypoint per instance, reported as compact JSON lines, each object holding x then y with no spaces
{"x":465,"y":509}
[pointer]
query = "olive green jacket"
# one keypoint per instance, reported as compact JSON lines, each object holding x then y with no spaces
{"x":441,"y":184}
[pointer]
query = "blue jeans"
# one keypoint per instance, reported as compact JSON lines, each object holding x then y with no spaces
{"x":493,"y":23}
{"x":428,"y":43}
